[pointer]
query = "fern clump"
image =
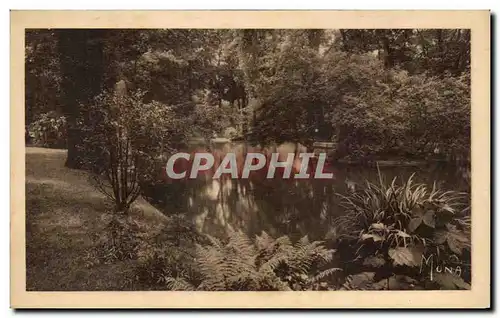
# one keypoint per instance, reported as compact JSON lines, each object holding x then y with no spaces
{"x":263,"y":264}
{"x":393,"y":229}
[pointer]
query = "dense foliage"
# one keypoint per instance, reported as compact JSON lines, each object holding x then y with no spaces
{"x":369,"y":106}
{"x":373,"y":92}
{"x":49,"y":130}
{"x":408,"y":230}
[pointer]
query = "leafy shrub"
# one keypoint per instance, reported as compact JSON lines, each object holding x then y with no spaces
{"x":123,"y":139}
{"x":48,"y":131}
{"x":265,"y":264}
{"x":393,"y":229}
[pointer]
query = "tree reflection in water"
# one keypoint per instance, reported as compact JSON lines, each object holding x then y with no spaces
{"x":278,"y":206}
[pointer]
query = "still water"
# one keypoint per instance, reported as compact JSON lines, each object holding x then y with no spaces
{"x":279,"y":206}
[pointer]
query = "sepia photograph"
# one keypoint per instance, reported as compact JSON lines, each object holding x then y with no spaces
{"x":251,"y":159}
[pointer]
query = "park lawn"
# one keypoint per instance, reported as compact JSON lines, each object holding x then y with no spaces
{"x":64,"y":215}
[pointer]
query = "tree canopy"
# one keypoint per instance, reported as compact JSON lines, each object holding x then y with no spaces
{"x":374,"y":92}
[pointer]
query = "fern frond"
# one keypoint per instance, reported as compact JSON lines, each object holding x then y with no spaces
{"x":274,"y":262}
{"x":304,"y":241}
{"x":283,"y":241}
{"x":209,"y":260}
{"x":263,"y":241}
{"x":178,"y":283}
{"x":243,"y":264}
{"x":270,"y":281}
{"x":214,"y":241}
{"x":323,"y":274}
{"x":242,"y":245}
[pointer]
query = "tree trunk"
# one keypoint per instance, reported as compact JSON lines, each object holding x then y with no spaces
{"x":388,"y":63}
{"x":439,"y":36}
{"x":82,"y":68}
{"x":75,"y":158}
{"x":344,"y":40}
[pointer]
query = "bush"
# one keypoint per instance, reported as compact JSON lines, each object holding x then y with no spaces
{"x":124,"y":137}
{"x":170,"y":254}
{"x":392,"y":230}
{"x":119,"y":241}
{"x":48,"y":131}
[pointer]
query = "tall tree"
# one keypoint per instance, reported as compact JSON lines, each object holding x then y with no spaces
{"x":82,"y":66}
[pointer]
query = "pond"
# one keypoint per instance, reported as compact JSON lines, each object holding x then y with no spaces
{"x":285,"y":206}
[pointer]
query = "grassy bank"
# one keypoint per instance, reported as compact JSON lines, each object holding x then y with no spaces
{"x":64,"y":217}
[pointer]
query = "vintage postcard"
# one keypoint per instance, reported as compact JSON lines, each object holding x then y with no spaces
{"x":250,"y":159}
